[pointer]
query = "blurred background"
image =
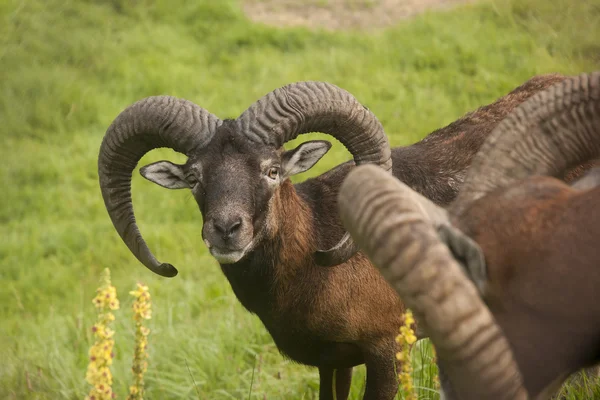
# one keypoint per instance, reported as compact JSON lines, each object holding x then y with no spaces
{"x":67,"y":68}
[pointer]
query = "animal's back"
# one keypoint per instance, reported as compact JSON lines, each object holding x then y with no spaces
{"x":436,"y":165}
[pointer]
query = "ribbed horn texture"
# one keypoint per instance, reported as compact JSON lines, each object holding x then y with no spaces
{"x":304,"y":107}
{"x":158,"y":121}
{"x":399,"y":237}
{"x":552,"y":131}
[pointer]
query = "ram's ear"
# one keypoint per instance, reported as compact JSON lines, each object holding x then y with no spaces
{"x":165,"y":174}
{"x":303,"y":157}
{"x":467,"y":252}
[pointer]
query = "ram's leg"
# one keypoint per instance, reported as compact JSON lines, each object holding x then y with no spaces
{"x":382,"y":380}
{"x":343,"y":379}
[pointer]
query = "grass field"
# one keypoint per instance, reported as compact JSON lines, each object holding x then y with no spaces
{"x":67,"y":68}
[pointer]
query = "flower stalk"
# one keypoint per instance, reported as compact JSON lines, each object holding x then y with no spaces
{"x":142,"y":310}
{"x":101,"y":353}
{"x":406,"y":339}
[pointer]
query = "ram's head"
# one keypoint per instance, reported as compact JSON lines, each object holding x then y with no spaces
{"x":234,"y":167}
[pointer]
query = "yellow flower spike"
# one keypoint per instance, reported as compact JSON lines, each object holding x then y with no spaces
{"x":98,"y":373}
{"x":406,"y":339}
{"x":142,"y":309}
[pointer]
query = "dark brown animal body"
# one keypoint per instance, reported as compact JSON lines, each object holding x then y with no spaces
{"x":526,"y":240}
{"x":330,"y":317}
{"x":553,"y":296}
{"x":316,"y":315}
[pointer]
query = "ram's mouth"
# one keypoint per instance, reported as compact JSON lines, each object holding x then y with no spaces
{"x":228,"y":256}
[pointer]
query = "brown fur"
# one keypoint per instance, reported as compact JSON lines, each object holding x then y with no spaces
{"x":317,"y":306}
{"x":542,"y":260}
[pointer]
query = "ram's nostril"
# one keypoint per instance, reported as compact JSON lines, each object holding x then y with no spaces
{"x":235,"y":226}
{"x":226,"y":228}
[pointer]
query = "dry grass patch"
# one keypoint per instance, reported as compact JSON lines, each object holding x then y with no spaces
{"x":365,"y":15}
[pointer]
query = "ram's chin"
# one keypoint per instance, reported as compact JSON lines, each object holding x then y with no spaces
{"x":228,"y":256}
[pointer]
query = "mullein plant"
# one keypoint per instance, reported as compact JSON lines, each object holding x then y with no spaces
{"x":406,"y":339}
{"x":142,"y":310}
{"x":436,"y":377}
{"x":101,"y":353}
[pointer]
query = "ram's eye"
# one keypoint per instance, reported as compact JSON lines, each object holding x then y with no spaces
{"x":273,"y":173}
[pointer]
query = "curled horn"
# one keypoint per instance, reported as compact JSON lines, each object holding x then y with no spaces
{"x":303,"y":107}
{"x":395,"y":227}
{"x":551,"y":132}
{"x":158,"y":121}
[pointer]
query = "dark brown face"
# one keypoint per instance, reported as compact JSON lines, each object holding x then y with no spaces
{"x":234,"y":182}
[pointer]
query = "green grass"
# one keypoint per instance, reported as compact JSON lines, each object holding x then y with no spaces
{"x":67,"y":68}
